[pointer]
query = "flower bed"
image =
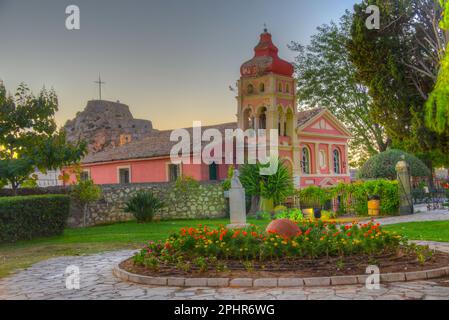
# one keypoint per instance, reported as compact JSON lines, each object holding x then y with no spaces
{"x":319,"y":249}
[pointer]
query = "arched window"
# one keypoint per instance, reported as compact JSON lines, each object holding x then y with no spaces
{"x":263,"y":119}
{"x":305,"y":163}
{"x":248,"y":119}
{"x":337,"y":165}
{"x":250,"y":89}
{"x":280,"y":87}
{"x":262,"y":87}
{"x":287,"y":88}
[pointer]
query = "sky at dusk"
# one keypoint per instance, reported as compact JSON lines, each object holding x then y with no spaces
{"x":171,"y":61}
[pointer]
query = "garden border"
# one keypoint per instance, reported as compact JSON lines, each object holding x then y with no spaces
{"x":276,"y":282}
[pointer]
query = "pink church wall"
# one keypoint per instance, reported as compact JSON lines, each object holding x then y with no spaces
{"x":144,"y":171}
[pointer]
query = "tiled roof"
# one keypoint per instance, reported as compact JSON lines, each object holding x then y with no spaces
{"x":156,"y":145}
{"x":306,"y":116}
{"x":159,"y":145}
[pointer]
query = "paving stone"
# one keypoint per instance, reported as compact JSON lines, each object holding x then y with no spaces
{"x":317,"y":282}
{"x":218,"y":282}
{"x":196,"y":282}
{"x":241,"y":282}
{"x":290,"y":282}
{"x":344,"y":280}
{"x":392,"y":277}
{"x":266,"y":283}
{"x":176,"y":282}
{"x":437,"y":273}
{"x":417,"y":275}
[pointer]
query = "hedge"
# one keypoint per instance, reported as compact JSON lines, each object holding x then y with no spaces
{"x":26,"y":218}
{"x":354,"y":196}
{"x":35,"y":191}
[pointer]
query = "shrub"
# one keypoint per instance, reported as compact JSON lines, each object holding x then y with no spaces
{"x":294,"y":215}
{"x":273,"y":189}
{"x":143,"y":205}
{"x":314,"y":197}
{"x":354,"y":197}
{"x":382,"y":166}
{"x":85,"y":192}
{"x":26,"y":218}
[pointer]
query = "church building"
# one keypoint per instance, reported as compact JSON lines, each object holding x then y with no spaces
{"x":313,"y":144}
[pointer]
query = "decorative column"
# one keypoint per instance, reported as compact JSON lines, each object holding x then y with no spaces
{"x":317,"y":158}
{"x":405,"y":189}
{"x":346,"y":159}
{"x":330,"y":160}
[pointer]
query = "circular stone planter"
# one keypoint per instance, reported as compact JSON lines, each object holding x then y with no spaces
{"x":276,"y":282}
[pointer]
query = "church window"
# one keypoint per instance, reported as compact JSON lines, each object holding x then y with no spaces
{"x":250,"y":89}
{"x":85,"y":175}
{"x":287,"y":88}
{"x":305,"y":163}
{"x":124,"y":175}
{"x":213,"y":172}
{"x":323,"y":160}
{"x":262,"y":87}
{"x":280,"y":87}
{"x":337,"y":164}
{"x":174,"y":172}
{"x":263,"y":119}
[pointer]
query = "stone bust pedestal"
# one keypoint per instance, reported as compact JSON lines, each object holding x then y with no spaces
{"x":237,"y":203}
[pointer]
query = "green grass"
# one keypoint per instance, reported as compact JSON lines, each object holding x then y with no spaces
{"x":129,"y":235}
{"x":429,"y":231}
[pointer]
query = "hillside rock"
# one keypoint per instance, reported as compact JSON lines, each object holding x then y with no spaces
{"x":105,"y":124}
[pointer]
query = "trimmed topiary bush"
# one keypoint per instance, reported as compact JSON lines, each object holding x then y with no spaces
{"x":26,"y":218}
{"x":382,"y":166}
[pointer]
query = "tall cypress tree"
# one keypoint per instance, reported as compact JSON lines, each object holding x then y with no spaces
{"x":437,"y":106}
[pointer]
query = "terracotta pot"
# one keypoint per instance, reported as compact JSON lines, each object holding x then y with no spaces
{"x":284,"y":227}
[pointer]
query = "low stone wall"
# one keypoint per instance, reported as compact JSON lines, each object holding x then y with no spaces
{"x":206,"y":202}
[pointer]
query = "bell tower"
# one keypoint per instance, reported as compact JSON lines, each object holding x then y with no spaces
{"x":266,"y":91}
{"x":267,"y":98}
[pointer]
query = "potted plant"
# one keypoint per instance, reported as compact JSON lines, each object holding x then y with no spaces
{"x":314,"y":198}
{"x":373,"y":205}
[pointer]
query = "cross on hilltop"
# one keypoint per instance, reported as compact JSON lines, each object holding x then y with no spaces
{"x":100,"y":83}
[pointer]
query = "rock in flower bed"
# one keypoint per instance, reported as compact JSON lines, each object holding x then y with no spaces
{"x":318,"y":249}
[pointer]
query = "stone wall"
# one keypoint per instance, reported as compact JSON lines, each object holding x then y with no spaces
{"x":206,"y":202}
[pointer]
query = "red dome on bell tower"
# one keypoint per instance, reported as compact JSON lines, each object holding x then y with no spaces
{"x":266,"y":60}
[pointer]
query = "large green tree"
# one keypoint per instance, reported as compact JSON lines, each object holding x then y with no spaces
{"x":399,"y":65}
{"x":326,"y":77}
{"x":29,"y":137}
{"x":437,"y":105}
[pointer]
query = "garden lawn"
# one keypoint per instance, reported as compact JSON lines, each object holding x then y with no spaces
{"x":429,"y":231}
{"x":129,"y":235}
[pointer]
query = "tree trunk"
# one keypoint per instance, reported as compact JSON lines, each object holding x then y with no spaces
{"x":85,"y":214}
{"x":14,"y":187}
{"x":254,"y":205}
{"x":430,"y":178}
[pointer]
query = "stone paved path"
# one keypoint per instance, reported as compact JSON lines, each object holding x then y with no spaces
{"x":422,"y":215}
{"x":46,"y":280}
